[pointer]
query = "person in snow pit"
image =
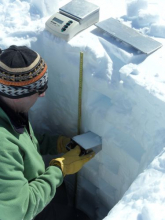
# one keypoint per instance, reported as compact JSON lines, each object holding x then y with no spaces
{"x":27,"y":188}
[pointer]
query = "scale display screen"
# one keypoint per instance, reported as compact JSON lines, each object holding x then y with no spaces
{"x":58,"y":20}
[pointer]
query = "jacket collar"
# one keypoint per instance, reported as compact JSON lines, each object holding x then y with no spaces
{"x":18,"y":120}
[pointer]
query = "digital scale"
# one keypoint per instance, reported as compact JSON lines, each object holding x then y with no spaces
{"x":72,"y":18}
{"x":128,"y":35}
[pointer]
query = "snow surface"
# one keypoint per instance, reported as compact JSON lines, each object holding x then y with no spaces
{"x":123,"y":102}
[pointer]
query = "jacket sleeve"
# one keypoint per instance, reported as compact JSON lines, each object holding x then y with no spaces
{"x":20,"y":200}
{"x":47,"y":144}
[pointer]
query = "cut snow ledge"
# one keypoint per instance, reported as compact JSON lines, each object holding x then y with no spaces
{"x":145,"y":197}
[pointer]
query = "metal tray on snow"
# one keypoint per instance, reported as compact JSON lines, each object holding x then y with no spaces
{"x":128,"y":35}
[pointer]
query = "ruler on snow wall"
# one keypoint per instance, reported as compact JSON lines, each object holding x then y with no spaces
{"x":80,"y":91}
{"x":79,"y":117}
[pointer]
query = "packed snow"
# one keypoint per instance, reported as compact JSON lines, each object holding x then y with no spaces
{"x":123,"y":102}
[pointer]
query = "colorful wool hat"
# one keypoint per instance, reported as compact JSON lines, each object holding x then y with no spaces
{"x":22,"y":72}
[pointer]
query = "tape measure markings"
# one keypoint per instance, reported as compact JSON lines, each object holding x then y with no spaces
{"x":80,"y":91}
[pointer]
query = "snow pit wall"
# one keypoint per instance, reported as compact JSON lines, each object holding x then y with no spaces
{"x":127,"y":116}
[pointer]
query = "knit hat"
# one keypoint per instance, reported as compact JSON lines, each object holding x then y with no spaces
{"x":22,"y":72}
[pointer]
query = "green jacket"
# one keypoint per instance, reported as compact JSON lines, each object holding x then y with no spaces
{"x":26,"y":187}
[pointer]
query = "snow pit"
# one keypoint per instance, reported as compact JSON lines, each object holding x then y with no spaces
{"x":123,"y":102}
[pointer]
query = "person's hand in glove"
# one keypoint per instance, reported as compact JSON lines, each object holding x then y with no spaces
{"x":62,"y":141}
{"x":71,"y":162}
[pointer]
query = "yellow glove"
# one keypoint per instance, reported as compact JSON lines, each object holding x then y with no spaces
{"x":62,"y":141}
{"x":71,"y":162}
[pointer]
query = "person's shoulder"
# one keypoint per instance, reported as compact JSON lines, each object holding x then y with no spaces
{"x":5,"y":123}
{"x":6,"y":128}
{"x":8,"y":141}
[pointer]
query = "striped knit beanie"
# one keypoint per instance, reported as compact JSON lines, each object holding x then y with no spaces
{"x":22,"y":72}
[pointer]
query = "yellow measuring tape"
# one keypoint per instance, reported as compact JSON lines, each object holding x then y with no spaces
{"x":79,"y":116}
{"x":80,"y":91}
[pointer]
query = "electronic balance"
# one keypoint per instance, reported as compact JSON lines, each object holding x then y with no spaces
{"x":72,"y":18}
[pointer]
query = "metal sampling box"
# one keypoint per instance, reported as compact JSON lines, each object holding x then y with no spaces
{"x":88,"y":142}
